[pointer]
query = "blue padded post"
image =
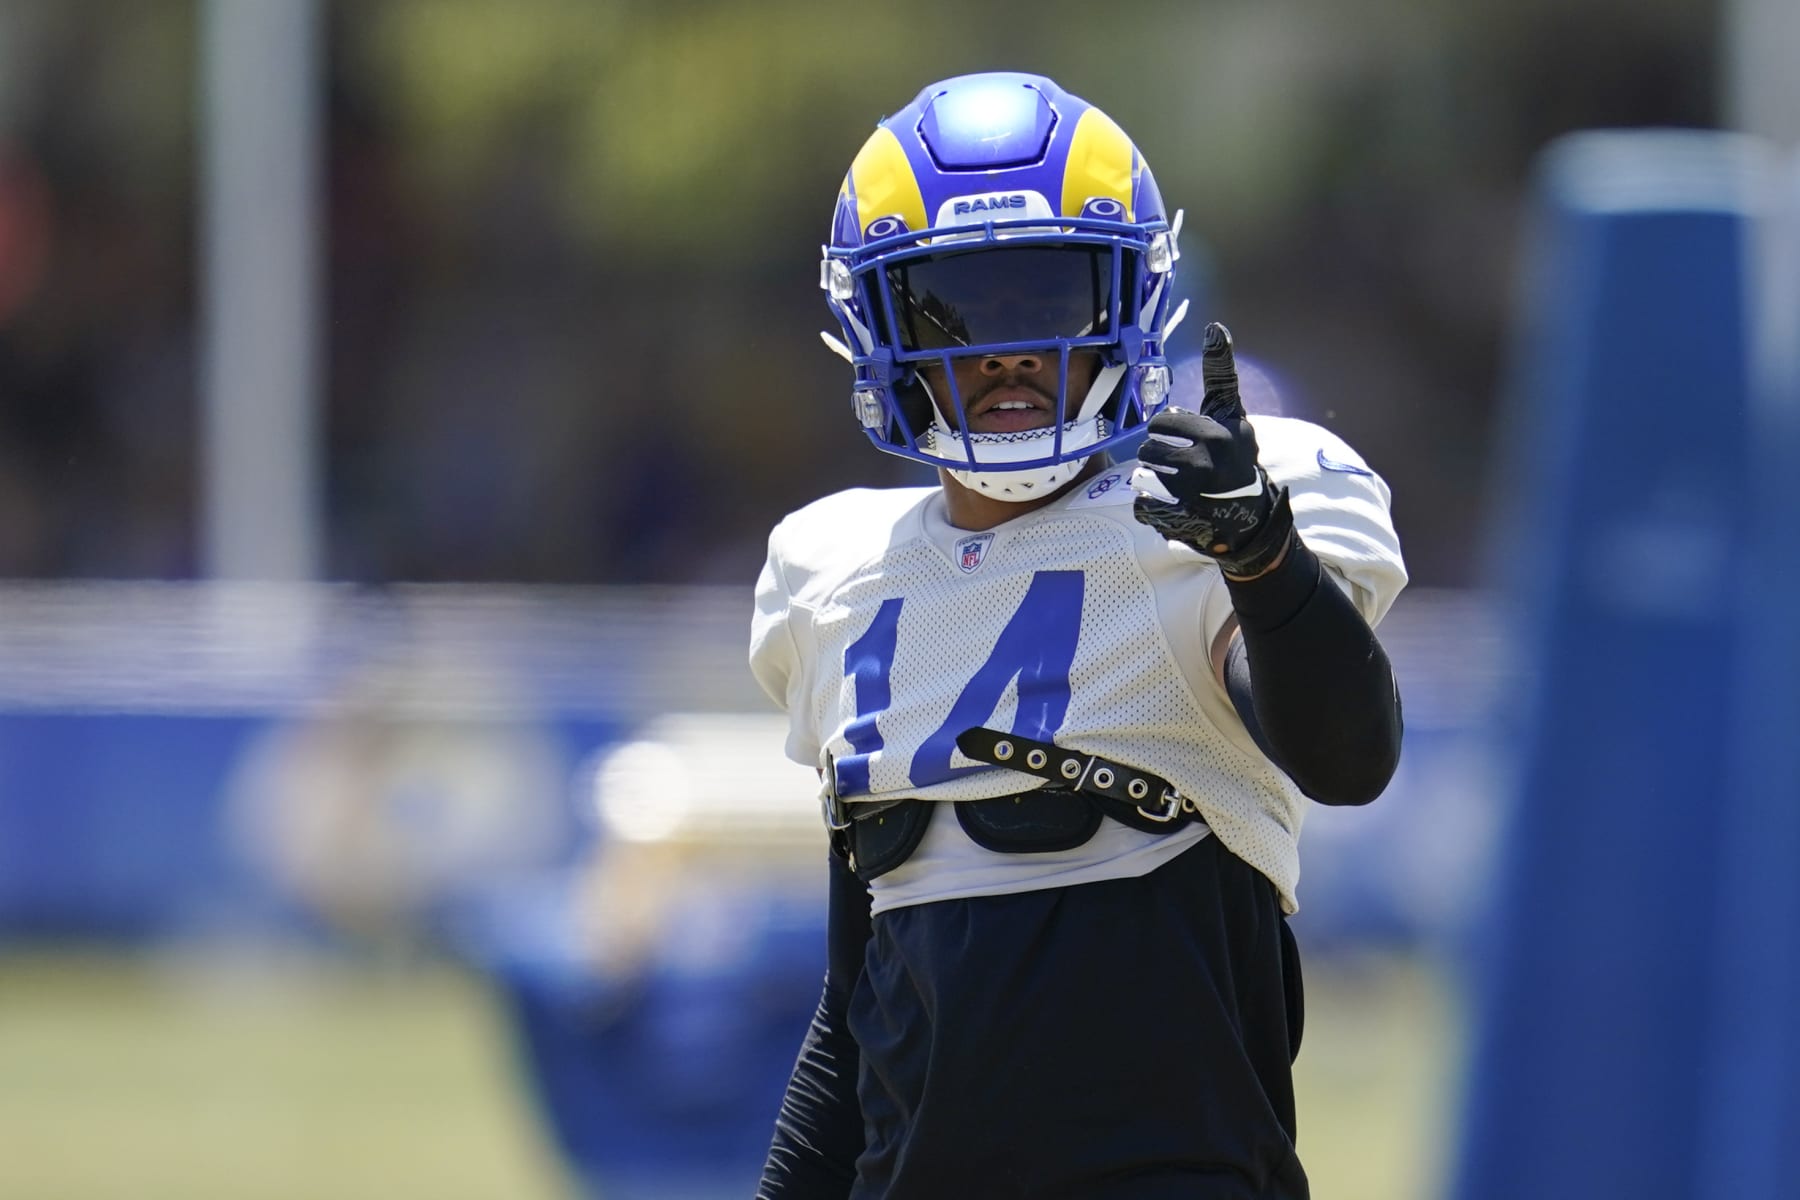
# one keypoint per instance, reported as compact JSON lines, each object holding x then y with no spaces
{"x":1619,"y":515}
{"x":1751,"y":1106}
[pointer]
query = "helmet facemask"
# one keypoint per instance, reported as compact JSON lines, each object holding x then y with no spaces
{"x":1058,"y":295}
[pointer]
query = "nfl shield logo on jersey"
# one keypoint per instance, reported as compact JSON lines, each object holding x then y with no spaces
{"x":971,"y":550}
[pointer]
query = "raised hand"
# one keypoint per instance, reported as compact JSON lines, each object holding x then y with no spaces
{"x":1198,"y":481}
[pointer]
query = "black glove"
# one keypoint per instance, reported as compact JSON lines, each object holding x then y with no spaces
{"x":1198,"y":481}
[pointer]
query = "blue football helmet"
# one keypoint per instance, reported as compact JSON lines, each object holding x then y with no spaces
{"x":998,"y":215}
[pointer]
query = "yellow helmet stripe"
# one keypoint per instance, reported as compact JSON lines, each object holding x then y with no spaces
{"x":1100,"y":163}
{"x":885,"y":185}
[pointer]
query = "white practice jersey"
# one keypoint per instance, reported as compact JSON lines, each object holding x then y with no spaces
{"x":885,"y":631}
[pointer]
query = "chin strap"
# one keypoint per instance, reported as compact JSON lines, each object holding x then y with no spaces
{"x":994,"y":450}
{"x":1018,"y":486}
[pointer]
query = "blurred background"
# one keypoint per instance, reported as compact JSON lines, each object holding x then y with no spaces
{"x":395,"y":396}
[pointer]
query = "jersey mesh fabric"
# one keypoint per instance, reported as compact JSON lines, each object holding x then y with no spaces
{"x":1139,"y":689}
{"x":1127,"y":697}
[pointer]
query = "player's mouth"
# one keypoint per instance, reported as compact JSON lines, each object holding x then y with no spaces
{"x":1010,"y":408}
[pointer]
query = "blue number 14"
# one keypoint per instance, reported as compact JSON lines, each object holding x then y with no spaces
{"x":1037,"y":647}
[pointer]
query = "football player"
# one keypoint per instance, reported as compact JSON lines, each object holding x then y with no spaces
{"x":1067,"y":712}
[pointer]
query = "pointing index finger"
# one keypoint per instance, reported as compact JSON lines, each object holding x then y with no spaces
{"x":1218,"y":370}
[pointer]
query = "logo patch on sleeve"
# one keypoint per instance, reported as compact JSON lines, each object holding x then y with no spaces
{"x":1103,"y":485}
{"x":972,"y":550}
{"x":1106,"y":489}
{"x":1331,"y":464}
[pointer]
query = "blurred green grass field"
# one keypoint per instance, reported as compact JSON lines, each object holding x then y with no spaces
{"x":150,"y":1078}
{"x":1377,"y":1080}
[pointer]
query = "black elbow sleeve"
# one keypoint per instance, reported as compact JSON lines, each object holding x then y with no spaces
{"x":1313,"y":683}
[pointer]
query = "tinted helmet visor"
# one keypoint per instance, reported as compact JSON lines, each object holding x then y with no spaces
{"x":1002,"y":296}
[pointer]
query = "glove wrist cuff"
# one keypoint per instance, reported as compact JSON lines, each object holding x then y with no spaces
{"x":1268,"y":542}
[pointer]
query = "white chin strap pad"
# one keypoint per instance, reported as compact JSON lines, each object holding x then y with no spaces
{"x":994,"y":450}
{"x":1017,"y":486}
